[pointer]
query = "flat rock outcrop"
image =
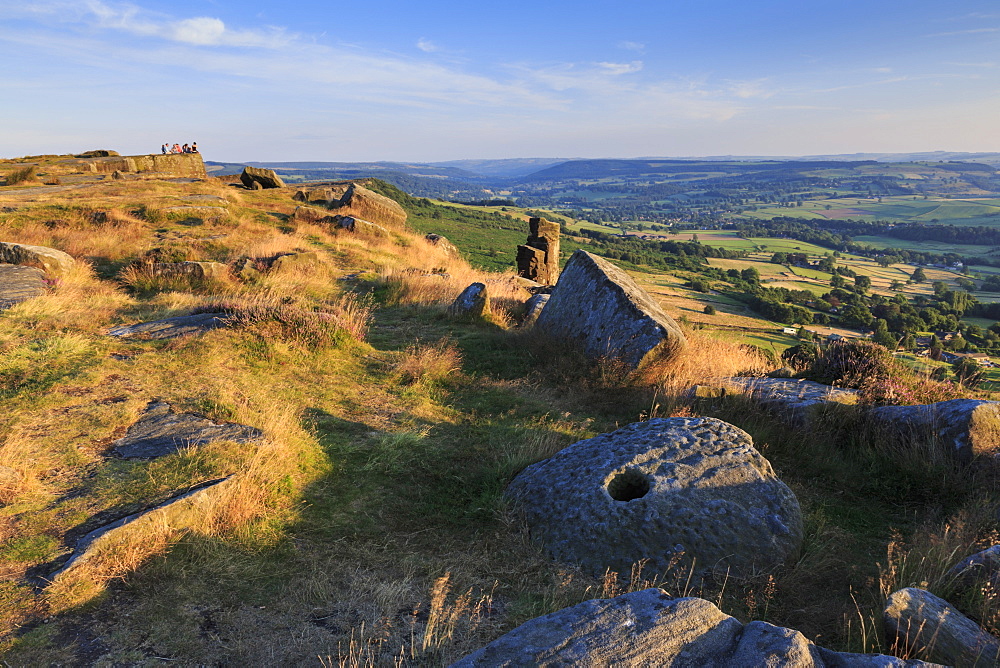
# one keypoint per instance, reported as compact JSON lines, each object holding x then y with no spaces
{"x":195,"y":270}
{"x":55,"y":263}
{"x":649,"y":628}
{"x":160,"y":431}
{"x":963,"y":427}
{"x":538,"y":258}
{"x":169,"y":328}
{"x":796,"y":401}
{"x":360,"y":202}
{"x":95,"y":553}
{"x":921,"y":623}
{"x":18,"y":284}
{"x":265,"y":178}
{"x":599,"y":307}
{"x":655,"y":489}
{"x":474,"y":301}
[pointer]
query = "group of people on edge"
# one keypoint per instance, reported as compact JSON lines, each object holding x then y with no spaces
{"x":176,"y":148}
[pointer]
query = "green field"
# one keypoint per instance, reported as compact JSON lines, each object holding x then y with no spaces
{"x":971,"y":211}
{"x":968,"y":250}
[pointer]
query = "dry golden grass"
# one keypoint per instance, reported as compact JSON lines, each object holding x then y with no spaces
{"x":424,"y":363}
{"x":79,"y":300}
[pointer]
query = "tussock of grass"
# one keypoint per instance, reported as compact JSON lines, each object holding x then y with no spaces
{"x":23,"y":175}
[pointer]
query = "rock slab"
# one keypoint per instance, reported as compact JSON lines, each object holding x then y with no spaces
{"x":474,"y":301}
{"x":599,"y":307}
{"x":55,"y":263}
{"x":160,"y":431}
{"x":687,"y":490}
{"x":980,"y":568}
{"x":169,"y":328}
{"x":964,"y":427}
{"x":196,"y":270}
{"x":920,"y":622}
{"x":649,"y":628}
{"x":18,"y":284}
{"x":797,"y":401}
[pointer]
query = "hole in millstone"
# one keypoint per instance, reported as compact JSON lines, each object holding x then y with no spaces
{"x":628,"y":485}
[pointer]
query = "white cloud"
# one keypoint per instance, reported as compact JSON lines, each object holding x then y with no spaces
{"x":427,"y":46}
{"x":632,"y":46}
{"x":746,"y":90}
{"x":615,"y":69}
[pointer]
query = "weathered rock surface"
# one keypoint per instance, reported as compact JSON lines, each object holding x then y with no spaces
{"x":533,"y":308}
{"x":654,"y":489}
{"x":474,"y":301}
{"x":598,"y":306}
{"x":55,"y":263}
{"x":980,"y":568}
{"x":920,"y":622}
{"x":176,"y":515}
{"x":649,"y":628}
{"x":172,"y":327}
{"x":311,"y":214}
{"x":360,"y":202}
{"x":798,"y":402}
{"x":195,"y":270}
{"x":442,"y":243}
{"x":320,"y":194}
{"x":160,"y":431}
{"x":266,"y":178}
{"x":18,"y":284}
{"x":538,"y":258}
{"x":358,"y":226}
{"x":964,"y":427}
{"x":294,"y":261}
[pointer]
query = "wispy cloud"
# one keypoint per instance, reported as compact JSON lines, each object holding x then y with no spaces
{"x":632,"y":46}
{"x":746,"y":90}
{"x":427,"y":46}
{"x":615,"y":69}
{"x":971,"y":31}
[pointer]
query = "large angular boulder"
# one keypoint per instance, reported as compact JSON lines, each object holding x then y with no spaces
{"x":962,"y":427}
{"x":918,"y":622}
{"x":160,"y":431}
{"x":55,"y":263}
{"x":599,"y":307}
{"x":358,"y":226}
{"x":474,"y":301}
{"x":360,"y":202}
{"x":265,"y":178}
{"x":18,"y":284}
{"x":689,"y":489}
{"x":533,"y":308}
{"x":649,"y":628}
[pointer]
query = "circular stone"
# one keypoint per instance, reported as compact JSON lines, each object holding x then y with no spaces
{"x":654,"y":489}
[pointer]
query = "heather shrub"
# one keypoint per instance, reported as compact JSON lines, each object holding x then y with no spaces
{"x":801,"y":357}
{"x":852,"y":363}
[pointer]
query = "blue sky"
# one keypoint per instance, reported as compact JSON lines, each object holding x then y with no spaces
{"x":425,"y":81}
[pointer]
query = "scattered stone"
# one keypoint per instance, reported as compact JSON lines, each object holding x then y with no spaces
{"x":978,"y":569}
{"x":323,"y":195}
{"x":54,"y":263}
{"x":160,"y":431}
{"x":921,"y":623}
{"x":310,"y":214}
{"x":538,"y":258}
{"x":798,"y":402}
{"x":963,"y":427}
{"x":18,"y":284}
{"x":600,"y":307}
{"x":265,"y":178}
{"x":195,"y":270}
{"x":533,"y":308}
{"x":172,"y":327}
{"x":474,"y":301}
{"x":649,"y":628}
{"x":656,"y":489}
{"x":359,"y":226}
{"x":255,"y":185}
{"x":531,"y":286}
{"x":247,"y":270}
{"x":359,"y":202}
{"x":293,"y":261}
{"x":442,"y":243}
{"x":96,"y":551}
